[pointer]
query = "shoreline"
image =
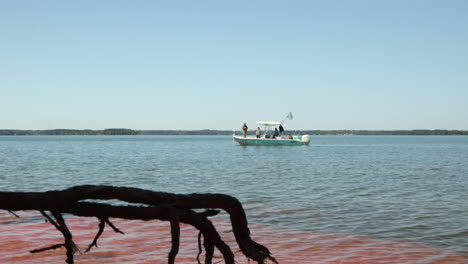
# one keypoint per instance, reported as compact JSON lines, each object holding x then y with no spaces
{"x":209,"y":132}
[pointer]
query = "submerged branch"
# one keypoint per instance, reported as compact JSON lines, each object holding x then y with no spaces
{"x":102,"y":224}
{"x":175,"y":234}
{"x":47,"y":248}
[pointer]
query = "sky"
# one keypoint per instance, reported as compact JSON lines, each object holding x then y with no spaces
{"x":154,"y":65}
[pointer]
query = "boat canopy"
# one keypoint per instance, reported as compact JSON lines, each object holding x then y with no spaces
{"x":267,"y":123}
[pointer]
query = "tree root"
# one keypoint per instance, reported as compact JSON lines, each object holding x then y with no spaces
{"x":175,"y":208}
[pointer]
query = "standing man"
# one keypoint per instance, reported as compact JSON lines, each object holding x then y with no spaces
{"x":257,"y":132}
{"x":244,"y":130}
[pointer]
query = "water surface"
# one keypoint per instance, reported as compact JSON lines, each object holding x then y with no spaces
{"x":410,"y":189}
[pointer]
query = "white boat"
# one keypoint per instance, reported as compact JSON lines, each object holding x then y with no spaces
{"x":268,"y":138}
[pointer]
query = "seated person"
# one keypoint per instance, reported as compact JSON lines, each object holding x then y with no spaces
{"x":276,"y":133}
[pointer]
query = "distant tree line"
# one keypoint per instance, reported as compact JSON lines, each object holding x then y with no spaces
{"x":123,"y":131}
{"x":186,"y":132}
{"x":66,"y":132}
{"x":416,"y":132}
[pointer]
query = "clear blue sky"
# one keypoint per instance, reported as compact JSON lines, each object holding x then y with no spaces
{"x":216,"y":64}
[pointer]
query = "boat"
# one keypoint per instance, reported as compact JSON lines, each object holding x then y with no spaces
{"x":267,"y":137}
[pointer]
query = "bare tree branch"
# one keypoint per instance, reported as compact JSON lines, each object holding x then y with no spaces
{"x":102,"y":223}
{"x":11,"y":212}
{"x":69,"y":244}
{"x":175,"y":234}
{"x":113,"y":227}
{"x":143,"y":205}
{"x":47,"y":248}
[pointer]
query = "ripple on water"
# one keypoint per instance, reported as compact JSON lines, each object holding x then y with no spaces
{"x":149,"y":242}
{"x":409,"y":189}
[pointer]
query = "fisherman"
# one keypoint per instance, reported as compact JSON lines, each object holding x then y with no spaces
{"x":276,"y":133}
{"x":257,"y":132}
{"x":281,"y":129}
{"x":244,"y":130}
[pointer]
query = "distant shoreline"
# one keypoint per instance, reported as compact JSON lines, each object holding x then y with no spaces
{"x":123,"y":131}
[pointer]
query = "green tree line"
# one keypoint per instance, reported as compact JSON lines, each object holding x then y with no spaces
{"x":416,"y":132}
{"x":123,"y":131}
{"x":66,"y":132}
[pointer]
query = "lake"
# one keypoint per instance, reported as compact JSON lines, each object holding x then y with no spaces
{"x":408,"y":189}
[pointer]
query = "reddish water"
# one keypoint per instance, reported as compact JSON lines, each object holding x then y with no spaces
{"x":149,"y":242}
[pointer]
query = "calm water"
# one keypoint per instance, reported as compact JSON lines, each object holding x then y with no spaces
{"x":403,"y":188}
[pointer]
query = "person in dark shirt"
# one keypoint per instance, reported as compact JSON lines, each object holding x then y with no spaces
{"x":276,"y":133}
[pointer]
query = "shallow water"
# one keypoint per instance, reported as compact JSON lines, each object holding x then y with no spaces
{"x":351,"y":198}
{"x":149,"y":242}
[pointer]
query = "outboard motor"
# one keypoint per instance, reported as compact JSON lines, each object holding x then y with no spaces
{"x":306,"y":139}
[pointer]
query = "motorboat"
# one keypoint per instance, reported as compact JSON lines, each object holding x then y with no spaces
{"x":271,"y":136}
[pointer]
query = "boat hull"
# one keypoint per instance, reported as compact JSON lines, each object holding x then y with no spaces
{"x":250,"y":141}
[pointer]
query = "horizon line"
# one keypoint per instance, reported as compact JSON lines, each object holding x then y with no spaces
{"x":211,"y":129}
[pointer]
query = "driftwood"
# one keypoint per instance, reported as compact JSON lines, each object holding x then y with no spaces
{"x":175,"y":208}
